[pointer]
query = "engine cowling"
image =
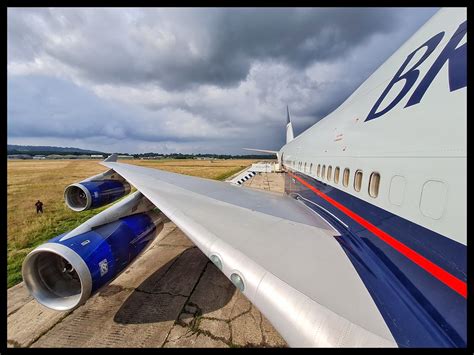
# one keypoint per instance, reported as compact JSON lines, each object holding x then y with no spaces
{"x":64,"y":272}
{"x":87,"y":195}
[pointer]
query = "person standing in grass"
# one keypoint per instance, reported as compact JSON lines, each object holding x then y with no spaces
{"x":39,"y":207}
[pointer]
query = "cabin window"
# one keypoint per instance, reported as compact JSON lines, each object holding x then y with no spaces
{"x":374,"y":183}
{"x":345,"y":178}
{"x":311,"y":169}
{"x":336,"y":175}
{"x":329,"y":173}
{"x":323,"y":173}
{"x":358,"y":180}
{"x":305,"y":167}
{"x":318,"y":170}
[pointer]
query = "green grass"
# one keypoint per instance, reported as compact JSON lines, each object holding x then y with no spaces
{"x":28,"y":181}
{"x":55,"y":227}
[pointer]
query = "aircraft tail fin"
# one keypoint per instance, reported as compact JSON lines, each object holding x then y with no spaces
{"x":289,"y":127}
{"x":289,"y":137}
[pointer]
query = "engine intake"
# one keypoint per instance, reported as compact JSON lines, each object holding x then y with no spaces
{"x":87,"y":195}
{"x":64,"y":272}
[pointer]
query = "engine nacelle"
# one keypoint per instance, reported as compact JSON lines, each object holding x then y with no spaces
{"x":88,"y":195}
{"x":96,"y":191}
{"x":64,"y":272}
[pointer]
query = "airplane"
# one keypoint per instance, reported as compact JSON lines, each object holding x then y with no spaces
{"x":367,"y":247}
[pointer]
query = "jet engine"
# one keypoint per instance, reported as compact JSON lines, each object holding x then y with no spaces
{"x":96,"y":191}
{"x":65,"y":271}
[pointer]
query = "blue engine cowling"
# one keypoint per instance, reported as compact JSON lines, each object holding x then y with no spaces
{"x":87,"y":195}
{"x":62,"y":274}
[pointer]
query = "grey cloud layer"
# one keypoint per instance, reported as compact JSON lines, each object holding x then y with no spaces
{"x":196,"y":46}
{"x":196,"y":77}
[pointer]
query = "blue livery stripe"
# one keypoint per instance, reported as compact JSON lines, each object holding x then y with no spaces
{"x":419,"y":310}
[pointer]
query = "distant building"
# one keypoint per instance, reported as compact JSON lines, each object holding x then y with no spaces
{"x":156,"y":157}
{"x":69,"y":156}
{"x":39,"y":157}
{"x":125,"y":157}
{"x":97,"y":156}
{"x":205,"y":158}
{"x":54,"y":156}
{"x":19,"y":156}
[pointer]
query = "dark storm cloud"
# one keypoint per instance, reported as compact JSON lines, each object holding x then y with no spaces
{"x":208,"y":80}
{"x":297,"y":36}
{"x":161,"y":46}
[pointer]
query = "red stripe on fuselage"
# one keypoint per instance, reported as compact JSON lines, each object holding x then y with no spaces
{"x":445,"y":277}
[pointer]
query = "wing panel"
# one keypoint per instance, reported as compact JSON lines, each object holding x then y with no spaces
{"x":298,"y":256}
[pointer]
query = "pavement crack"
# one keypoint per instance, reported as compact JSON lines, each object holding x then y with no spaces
{"x":49,"y":328}
{"x":188,"y":297}
{"x":188,"y":334}
{"x":260,"y":325}
{"x":241,"y":314}
{"x":212,"y":336}
{"x":161,"y":293}
{"x":16,"y":310}
{"x":168,"y":234}
{"x":170,"y":266}
{"x":229,"y":325}
{"x":217,"y":319}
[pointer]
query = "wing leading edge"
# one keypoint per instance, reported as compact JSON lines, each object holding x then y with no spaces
{"x":293,"y":269}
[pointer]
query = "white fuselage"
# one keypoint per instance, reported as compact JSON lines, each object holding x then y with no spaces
{"x":419,"y":151}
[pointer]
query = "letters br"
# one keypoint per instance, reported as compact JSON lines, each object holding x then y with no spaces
{"x":451,"y":54}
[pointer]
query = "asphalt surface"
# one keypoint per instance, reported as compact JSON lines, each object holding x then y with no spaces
{"x":171,"y":296}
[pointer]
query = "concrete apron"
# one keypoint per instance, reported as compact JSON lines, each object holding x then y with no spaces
{"x":171,"y":296}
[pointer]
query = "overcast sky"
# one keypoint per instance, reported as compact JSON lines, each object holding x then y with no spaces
{"x":188,"y":80}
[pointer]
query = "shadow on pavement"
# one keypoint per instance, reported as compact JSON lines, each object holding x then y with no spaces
{"x":162,"y":296}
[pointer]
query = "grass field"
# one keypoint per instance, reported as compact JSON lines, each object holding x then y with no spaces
{"x":32,"y":180}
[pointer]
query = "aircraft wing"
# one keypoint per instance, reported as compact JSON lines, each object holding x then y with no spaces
{"x":289,"y":264}
{"x":262,"y":150}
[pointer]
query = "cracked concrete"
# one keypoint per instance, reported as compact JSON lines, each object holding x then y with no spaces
{"x":171,"y":296}
{"x":235,"y":322}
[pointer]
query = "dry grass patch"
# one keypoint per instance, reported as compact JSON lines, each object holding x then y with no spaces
{"x":210,"y":169}
{"x":45,"y":180}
